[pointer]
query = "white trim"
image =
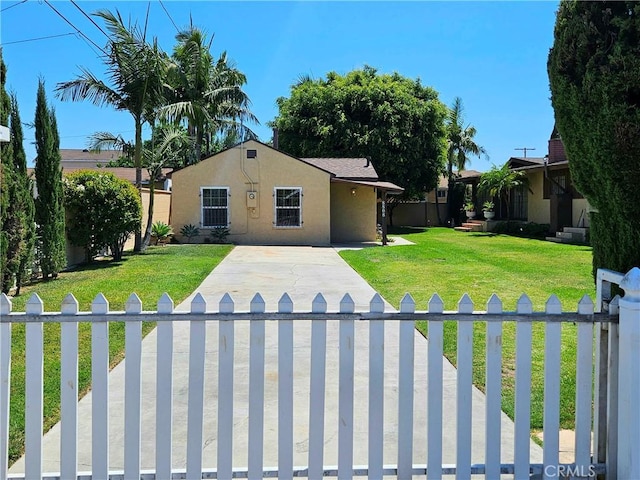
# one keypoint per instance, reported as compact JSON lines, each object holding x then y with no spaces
{"x":214,"y":187}
{"x":275,"y":208}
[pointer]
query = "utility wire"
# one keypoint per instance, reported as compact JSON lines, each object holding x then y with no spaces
{"x":14,"y":5}
{"x":90,"y":19}
{"x":74,"y":27}
{"x":167,"y":12}
{"x":39,"y":38}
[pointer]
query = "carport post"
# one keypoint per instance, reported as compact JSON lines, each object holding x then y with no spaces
{"x":383,"y":193}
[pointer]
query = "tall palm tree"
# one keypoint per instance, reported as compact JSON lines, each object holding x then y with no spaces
{"x":137,"y":73}
{"x":208,"y":93}
{"x":460,"y":145}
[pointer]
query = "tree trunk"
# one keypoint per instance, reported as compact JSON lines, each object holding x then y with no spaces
{"x":437,"y":208}
{"x":152,"y":189}
{"x":449,"y":192}
{"x":137,"y":160}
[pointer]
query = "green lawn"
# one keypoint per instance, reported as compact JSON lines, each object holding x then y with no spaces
{"x":175,"y":269}
{"x":454,"y":263}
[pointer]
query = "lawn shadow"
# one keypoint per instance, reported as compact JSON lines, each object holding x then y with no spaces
{"x":405,"y":230}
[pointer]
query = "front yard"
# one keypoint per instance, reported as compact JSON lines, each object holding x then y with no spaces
{"x":177,"y":270}
{"x":453,"y":263}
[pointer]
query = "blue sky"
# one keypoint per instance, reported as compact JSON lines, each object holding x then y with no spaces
{"x":491,"y":54}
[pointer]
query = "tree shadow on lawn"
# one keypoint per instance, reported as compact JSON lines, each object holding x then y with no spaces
{"x":404,"y":230}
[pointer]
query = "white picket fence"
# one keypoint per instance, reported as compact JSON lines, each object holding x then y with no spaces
{"x":616,"y":444}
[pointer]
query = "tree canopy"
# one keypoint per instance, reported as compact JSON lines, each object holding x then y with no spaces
{"x":593,"y":72}
{"x":394,"y":120}
{"x":102,"y":211}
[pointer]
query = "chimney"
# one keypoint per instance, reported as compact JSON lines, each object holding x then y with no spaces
{"x":556,"y":151}
{"x":275,"y":138}
{"x":368,"y":162}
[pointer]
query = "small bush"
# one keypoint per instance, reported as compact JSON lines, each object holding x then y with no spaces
{"x":520,"y":229}
{"x":189,"y":231}
{"x":219,"y":234}
{"x":160,"y":231}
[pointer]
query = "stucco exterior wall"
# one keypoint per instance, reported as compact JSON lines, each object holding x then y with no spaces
{"x":538,"y":210}
{"x":353,"y":217}
{"x":579,"y":207}
{"x":262,"y":174}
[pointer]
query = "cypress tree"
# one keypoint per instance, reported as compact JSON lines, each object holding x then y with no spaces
{"x":49,"y":204}
{"x":24,"y":200}
{"x":595,"y":91}
{"x":7,"y":265}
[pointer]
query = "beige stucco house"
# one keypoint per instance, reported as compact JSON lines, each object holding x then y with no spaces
{"x":265,"y":196}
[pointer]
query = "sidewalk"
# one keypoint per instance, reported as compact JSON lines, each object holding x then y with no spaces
{"x":302,"y":272}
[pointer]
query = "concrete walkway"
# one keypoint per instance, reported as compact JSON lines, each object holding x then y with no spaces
{"x":302,"y":272}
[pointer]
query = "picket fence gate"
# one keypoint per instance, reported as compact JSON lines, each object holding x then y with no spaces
{"x":616,"y":442}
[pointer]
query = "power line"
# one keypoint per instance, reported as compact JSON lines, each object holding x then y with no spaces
{"x":167,"y":12}
{"x":14,"y":5}
{"x":90,"y":19}
{"x":74,"y":27}
{"x":39,"y":38}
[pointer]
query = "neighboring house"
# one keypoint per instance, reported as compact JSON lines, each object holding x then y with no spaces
{"x":552,"y":197}
{"x":265,"y":196}
{"x":73,"y":159}
{"x":423,"y":213}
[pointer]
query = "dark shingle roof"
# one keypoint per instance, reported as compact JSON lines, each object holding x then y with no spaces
{"x":77,"y":154}
{"x":352,"y":168}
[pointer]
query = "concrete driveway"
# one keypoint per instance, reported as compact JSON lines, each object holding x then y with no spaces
{"x":302,"y":272}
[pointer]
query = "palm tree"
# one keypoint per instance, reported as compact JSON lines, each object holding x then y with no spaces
{"x":169,"y":144}
{"x":207,"y":93}
{"x":500,"y":182}
{"x":137,"y":74}
{"x":460,"y":145}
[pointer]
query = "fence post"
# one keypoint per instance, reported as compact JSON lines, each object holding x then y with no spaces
{"x":629,"y":377}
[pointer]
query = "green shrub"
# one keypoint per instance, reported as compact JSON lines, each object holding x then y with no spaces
{"x":189,"y":231}
{"x":160,"y":231}
{"x":520,"y":229}
{"x":219,"y":234}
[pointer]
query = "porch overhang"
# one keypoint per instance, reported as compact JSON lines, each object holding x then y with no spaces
{"x":390,"y":188}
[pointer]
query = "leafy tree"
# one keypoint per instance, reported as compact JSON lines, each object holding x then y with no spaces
{"x":102,"y":210}
{"x":137,"y":72}
{"x":24,"y":204}
{"x":207,"y":94}
{"x":593,"y":72}
{"x":500,"y":182}
{"x":7,"y":180}
{"x":460,"y":144}
{"x":49,"y":204}
{"x":395,"y":120}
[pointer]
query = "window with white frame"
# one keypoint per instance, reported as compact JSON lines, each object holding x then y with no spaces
{"x":215,"y":207}
{"x":288,"y":207}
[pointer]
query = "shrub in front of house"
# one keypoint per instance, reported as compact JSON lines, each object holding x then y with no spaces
{"x":102,"y":211}
{"x":521,"y":229}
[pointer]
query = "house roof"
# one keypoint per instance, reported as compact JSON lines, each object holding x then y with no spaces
{"x":348,"y":168}
{"x":515,"y":162}
{"x":84,"y":155}
{"x":125,"y":173}
{"x":462,"y":174}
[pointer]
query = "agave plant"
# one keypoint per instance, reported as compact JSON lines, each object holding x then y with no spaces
{"x":189,"y":231}
{"x":160,"y":231}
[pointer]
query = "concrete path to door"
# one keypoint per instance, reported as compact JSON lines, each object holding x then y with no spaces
{"x":302,"y":272}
